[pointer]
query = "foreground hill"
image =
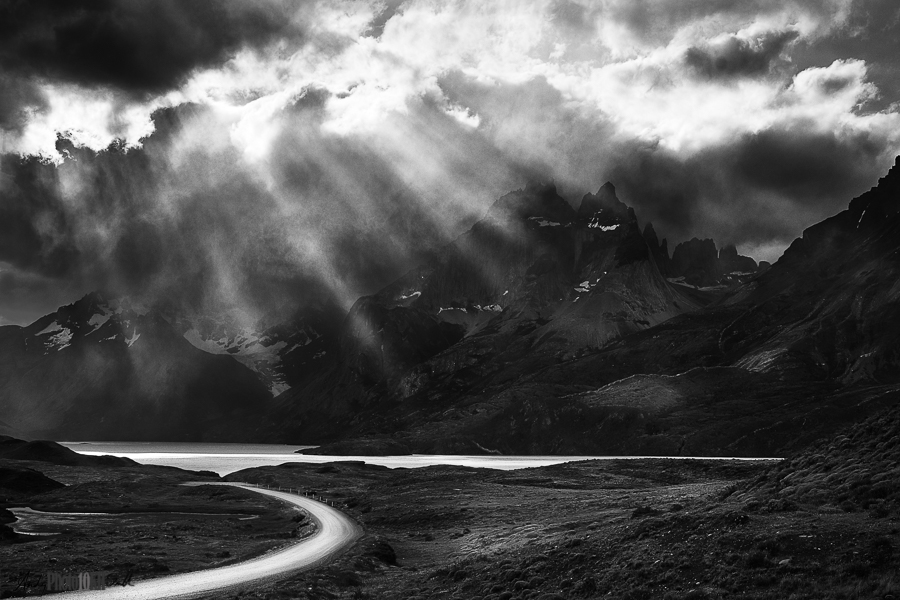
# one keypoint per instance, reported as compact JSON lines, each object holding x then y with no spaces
{"x":856,"y":471}
{"x":44,"y":451}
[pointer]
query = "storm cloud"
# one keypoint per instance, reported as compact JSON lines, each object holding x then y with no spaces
{"x":736,"y":57}
{"x":266,"y":154}
{"x":136,"y":46}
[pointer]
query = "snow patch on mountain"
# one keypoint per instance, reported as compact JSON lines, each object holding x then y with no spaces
{"x":59,"y":337}
{"x":490,"y":308}
{"x":595,"y":225}
{"x":543,"y":222}
{"x":60,"y":340}
{"x":586,"y":285}
{"x":211,"y":346}
{"x":244,"y":344}
{"x":51,"y":328}
{"x":235,"y":334}
{"x":97,"y":320}
{"x":487,"y":308}
{"x":135,"y":336}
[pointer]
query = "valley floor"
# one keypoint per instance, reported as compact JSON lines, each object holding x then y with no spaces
{"x":630,"y":529}
{"x":647,"y":529}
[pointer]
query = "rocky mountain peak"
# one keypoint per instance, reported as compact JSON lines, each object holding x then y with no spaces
{"x":650,"y":235}
{"x":606,"y":203}
{"x":732,"y":262}
{"x":694,"y":256}
{"x":867,"y":213}
{"x":659,"y":251}
{"x":885,"y":197}
{"x":701,"y":264}
{"x":90,"y":304}
{"x":538,"y":200}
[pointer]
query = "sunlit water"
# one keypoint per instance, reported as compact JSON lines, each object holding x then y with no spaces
{"x":228,"y":458}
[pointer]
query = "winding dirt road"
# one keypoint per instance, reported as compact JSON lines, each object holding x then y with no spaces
{"x":335,"y":532}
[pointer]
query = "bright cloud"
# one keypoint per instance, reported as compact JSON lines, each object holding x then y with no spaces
{"x":626,"y":64}
{"x":304,"y":129}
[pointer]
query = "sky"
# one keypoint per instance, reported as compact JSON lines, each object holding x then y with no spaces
{"x":265,"y":154}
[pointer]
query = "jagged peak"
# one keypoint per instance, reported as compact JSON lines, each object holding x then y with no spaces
{"x":869,"y":209}
{"x":891,"y":181}
{"x":695,"y":241}
{"x":88,"y":304}
{"x":728,"y":251}
{"x":650,"y":234}
{"x":537,"y":199}
{"x":540,"y":187}
{"x":604,"y":200}
{"x":95,"y":297}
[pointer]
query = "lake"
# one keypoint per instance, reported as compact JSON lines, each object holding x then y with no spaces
{"x":228,"y":458}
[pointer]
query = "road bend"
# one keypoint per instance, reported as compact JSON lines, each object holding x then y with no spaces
{"x":335,"y":532}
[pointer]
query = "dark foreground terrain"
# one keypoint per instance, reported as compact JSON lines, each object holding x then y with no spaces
{"x":627,"y":529}
{"x":822,"y":524}
{"x":149,"y":524}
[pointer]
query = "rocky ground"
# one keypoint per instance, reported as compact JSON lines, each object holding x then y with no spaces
{"x":635,"y":529}
{"x":821,"y":525}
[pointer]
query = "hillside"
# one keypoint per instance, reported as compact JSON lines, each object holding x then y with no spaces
{"x":109,"y":371}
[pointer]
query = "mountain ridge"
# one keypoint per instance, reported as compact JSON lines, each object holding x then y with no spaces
{"x":551,"y":329}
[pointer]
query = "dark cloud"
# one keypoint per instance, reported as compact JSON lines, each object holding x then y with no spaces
{"x":139,"y":46}
{"x":738,"y":57}
{"x":810,"y":168}
{"x":191,"y":218}
{"x":376,"y":26}
{"x":18,"y":97}
{"x":760,"y":188}
{"x":27,"y":295}
{"x":756,"y":188}
{"x":660,"y":187}
{"x":337,"y":220}
{"x":98,"y":221}
{"x":34,"y":226}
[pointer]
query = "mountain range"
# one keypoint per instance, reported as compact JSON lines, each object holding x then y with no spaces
{"x":543,"y":329}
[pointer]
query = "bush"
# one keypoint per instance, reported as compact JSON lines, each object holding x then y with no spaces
{"x":756,"y":560}
{"x":857,"y":569}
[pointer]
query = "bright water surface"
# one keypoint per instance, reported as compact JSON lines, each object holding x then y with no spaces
{"x":228,"y":458}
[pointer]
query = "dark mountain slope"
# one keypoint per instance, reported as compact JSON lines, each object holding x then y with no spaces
{"x":282,"y":352}
{"x":858,"y":469}
{"x":830,"y":308}
{"x":15,"y":481}
{"x":93,"y":370}
{"x":533,"y":283}
{"x":568,"y":339}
